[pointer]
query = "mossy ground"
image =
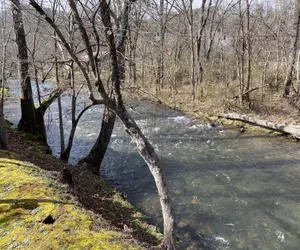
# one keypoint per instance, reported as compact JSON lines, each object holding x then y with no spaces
{"x":28,"y":196}
{"x":89,"y":215}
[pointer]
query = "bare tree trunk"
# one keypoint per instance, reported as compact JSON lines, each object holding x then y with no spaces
{"x":191,"y":24}
{"x":161,"y":56}
{"x":3,"y":134}
{"x":143,"y":146}
{"x":97,"y":153}
{"x":240,"y":50}
{"x":133,"y":34}
{"x":248,"y":83}
{"x":146,"y":150}
{"x":264,"y":75}
{"x":65,"y":154}
{"x":60,"y":116}
{"x":29,"y":122}
{"x":212,"y":32}
{"x":277,"y":66}
{"x":289,"y":74}
{"x":116,"y":104}
{"x":199,"y":38}
{"x":298,"y":74}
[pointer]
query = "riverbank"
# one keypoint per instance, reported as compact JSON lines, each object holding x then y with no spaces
{"x":212,"y":104}
{"x":87,"y":214}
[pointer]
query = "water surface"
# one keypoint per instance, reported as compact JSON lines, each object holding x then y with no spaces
{"x":230,"y":190}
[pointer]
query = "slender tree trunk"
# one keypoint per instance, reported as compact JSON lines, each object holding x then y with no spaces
{"x":264,"y":75}
{"x":60,"y":116}
{"x":240,"y":50}
{"x":193,"y":66}
{"x":212,"y":30}
{"x":132,"y":55}
{"x":66,"y":153}
{"x":161,"y":57}
{"x":203,"y":22}
{"x":3,"y":135}
{"x":290,"y":70}
{"x":298,"y":74}
{"x":147,"y":152}
{"x":143,"y":146}
{"x":277,"y":66}
{"x":248,"y":83}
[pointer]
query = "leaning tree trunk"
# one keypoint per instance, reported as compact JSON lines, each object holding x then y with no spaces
{"x":97,"y":153}
{"x":291,"y":67}
{"x":116,"y":104}
{"x":143,"y":146}
{"x":147,"y":152}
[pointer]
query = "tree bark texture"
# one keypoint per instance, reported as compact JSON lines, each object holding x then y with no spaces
{"x":97,"y":153}
{"x":291,"y":66}
{"x":147,"y":152}
{"x":27,"y":122}
{"x":3,"y":136}
{"x":116,"y":104}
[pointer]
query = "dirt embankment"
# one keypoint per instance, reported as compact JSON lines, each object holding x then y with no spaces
{"x":38,"y":211}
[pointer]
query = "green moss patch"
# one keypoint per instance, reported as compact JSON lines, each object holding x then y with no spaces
{"x":28,"y":196}
{"x":5,"y":91}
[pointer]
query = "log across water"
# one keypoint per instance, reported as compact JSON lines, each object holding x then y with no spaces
{"x":293,"y":130}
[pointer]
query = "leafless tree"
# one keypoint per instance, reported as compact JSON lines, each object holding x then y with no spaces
{"x":291,"y":67}
{"x":116,"y":104}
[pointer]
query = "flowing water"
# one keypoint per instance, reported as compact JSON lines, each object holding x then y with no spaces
{"x":230,"y":190}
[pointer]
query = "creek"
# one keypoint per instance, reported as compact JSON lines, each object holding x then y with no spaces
{"x":230,"y":190}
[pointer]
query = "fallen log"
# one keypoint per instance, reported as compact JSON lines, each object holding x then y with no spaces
{"x":293,"y":130}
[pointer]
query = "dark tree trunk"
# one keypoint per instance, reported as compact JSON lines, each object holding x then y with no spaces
{"x":116,"y":104}
{"x":3,"y":136}
{"x":31,"y":121}
{"x":97,"y":153}
{"x":161,"y":57}
{"x":291,"y":67}
{"x":66,"y":154}
{"x":248,"y":42}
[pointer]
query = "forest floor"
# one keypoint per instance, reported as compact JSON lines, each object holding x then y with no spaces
{"x":87,"y":214}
